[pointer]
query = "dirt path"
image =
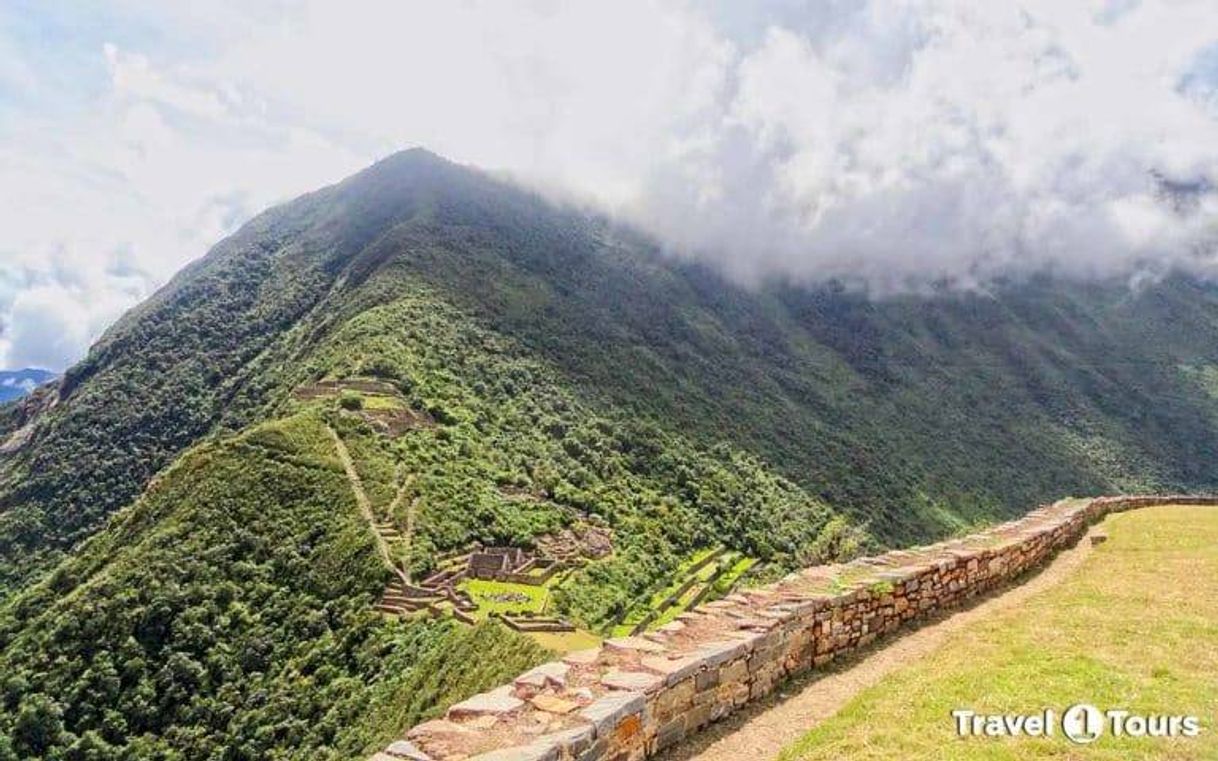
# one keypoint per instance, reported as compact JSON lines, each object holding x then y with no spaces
{"x":361,"y":497}
{"x":404,"y":485}
{"x":761,"y":730}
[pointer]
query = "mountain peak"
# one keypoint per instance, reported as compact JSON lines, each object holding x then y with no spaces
{"x":409,"y":163}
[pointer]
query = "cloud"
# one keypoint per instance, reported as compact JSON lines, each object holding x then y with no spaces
{"x":896,"y":144}
{"x":953,"y":141}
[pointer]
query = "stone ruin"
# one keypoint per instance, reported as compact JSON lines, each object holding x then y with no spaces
{"x":390,"y":421}
{"x":572,"y":545}
{"x":635,"y":696}
{"x":498,"y":563}
{"x":556,"y":552}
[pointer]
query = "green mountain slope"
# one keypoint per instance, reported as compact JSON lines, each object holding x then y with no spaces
{"x":227,"y":614}
{"x":912,"y":413}
{"x":186,"y":569}
{"x":231,"y":606}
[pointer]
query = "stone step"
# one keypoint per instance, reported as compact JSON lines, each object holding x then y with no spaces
{"x":394,"y":609}
{"x":411,"y":602}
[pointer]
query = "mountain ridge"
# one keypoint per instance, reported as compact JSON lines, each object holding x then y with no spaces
{"x":15,"y":384}
{"x":178,"y":481}
{"x":826,"y":344}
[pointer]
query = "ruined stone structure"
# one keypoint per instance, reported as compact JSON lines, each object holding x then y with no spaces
{"x":439,"y":594}
{"x":638,"y":695}
{"x":495,"y":562}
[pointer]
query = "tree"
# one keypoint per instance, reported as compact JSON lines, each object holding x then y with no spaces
{"x":39,"y":726}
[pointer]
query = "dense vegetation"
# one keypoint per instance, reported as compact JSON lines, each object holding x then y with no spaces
{"x":170,"y":370}
{"x":505,"y":427}
{"x":554,"y":369}
{"x":228,"y":615}
{"x":920,"y":415}
{"x":228,"y":612}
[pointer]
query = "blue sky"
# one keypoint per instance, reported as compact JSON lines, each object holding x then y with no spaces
{"x":895,"y":142}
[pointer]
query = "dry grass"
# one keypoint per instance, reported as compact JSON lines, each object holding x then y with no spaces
{"x":1136,"y":627}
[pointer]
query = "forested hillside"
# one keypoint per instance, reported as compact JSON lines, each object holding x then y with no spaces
{"x":227,"y":614}
{"x":187,"y":575}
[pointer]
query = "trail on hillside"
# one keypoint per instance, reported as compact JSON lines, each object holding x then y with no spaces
{"x":761,"y":730}
{"x":404,"y":485}
{"x":361,"y":497}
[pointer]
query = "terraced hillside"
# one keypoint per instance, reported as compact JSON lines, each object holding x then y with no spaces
{"x":233,"y":605}
{"x":920,"y":414}
{"x":367,"y":382}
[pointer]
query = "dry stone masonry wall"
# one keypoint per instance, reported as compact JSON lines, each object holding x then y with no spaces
{"x":636,"y":696}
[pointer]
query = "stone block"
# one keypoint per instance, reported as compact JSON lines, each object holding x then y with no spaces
{"x":498,"y":701}
{"x":539,"y":751}
{"x":572,"y":742}
{"x":608,"y":710}
{"x":717,"y":653}
{"x":628,"y":732}
{"x":634,"y":681}
{"x":759,"y":688}
{"x":633,"y":644}
{"x":669,"y":734}
{"x":673,"y":669}
{"x":736,"y":671}
{"x":706,"y":679}
{"x":546,"y":675}
{"x":598,"y":751}
{"x":700,"y":716}
{"x":582,"y":657}
{"x":405,"y":749}
{"x":675,"y":699}
{"x":553,"y":704}
{"x":737,"y":693}
{"x":436,"y":728}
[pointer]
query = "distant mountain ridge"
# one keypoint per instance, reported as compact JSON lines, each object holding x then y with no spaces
{"x":185,"y":570}
{"x":15,"y":384}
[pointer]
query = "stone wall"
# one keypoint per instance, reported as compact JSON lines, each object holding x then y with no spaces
{"x":635,"y":696}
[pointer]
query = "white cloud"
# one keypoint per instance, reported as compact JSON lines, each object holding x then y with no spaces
{"x":977,"y":138}
{"x":894,"y":142}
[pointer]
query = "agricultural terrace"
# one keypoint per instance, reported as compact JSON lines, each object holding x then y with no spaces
{"x":706,"y":575}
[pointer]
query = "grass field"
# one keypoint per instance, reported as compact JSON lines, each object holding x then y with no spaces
{"x":565,"y":642}
{"x":484,"y":594}
{"x":1136,"y":628}
{"x":490,"y":596}
{"x":379,"y":402}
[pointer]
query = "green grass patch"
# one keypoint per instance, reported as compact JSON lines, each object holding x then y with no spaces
{"x":682,"y":604}
{"x":724,"y":583}
{"x":1135,"y":628}
{"x":379,"y":402}
{"x":505,"y":597}
{"x":726,"y":564}
{"x":565,"y":642}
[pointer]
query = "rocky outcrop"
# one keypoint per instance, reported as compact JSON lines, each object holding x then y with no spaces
{"x":635,"y":696}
